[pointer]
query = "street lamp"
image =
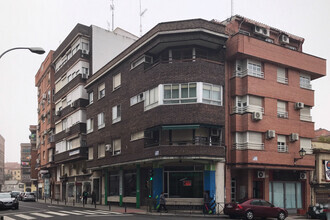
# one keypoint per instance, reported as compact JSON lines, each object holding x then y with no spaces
{"x":302,"y":153}
{"x":37,"y":50}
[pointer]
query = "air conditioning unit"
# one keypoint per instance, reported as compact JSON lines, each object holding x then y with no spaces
{"x":67,"y":130}
{"x":58,"y":113}
{"x":284,"y":39}
{"x":294,"y":137}
{"x":257,"y":116}
{"x":215,"y":132}
{"x":261,"y":174}
{"x":37,"y":160}
{"x":261,"y":31}
{"x":84,"y":76}
{"x":85,"y":52}
{"x":299,"y":105}
{"x":108,"y":147}
{"x":303,"y":176}
{"x":44,"y":96}
{"x":270,"y":134}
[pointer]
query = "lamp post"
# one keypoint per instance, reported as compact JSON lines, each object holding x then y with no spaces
{"x":37,"y":50}
{"x":302,"y":153}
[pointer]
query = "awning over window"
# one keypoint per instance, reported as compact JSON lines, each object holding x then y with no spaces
{"x":179,"y":127}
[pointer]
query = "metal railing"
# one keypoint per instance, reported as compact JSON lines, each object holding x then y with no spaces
{"x":305,"y":118}
{"x":282,"y":148}
{"x":282,"y":114}
{"x":249,"y":108}
{"x":305,"y":85}
{"x":249,"y":146}
{"x":248,"y":72}
{"x":282,"y":79}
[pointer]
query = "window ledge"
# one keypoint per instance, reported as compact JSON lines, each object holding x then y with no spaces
{"x":101,"y":126}
{"x":115,"y":89}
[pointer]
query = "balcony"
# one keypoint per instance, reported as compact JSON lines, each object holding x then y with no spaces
{"x":282,"y":114}
{"x":283,"y":80}
{"x":80,"y":153}
{"x":249,"y":108}
{"x":246,"y":46}
{"x":249,"y":146}
{"x":64,"y":90}
{"x":282,"y":148}
{"x":306,"y":86}
{"x":74,"y":129}
{"x":306,"y":118}
{"x":249,"y":72}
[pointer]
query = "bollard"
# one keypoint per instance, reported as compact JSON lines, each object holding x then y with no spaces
{"x":190,"y":208}
{"x":51,"y":201}
{"x":95,"y":204}
{"x":1,"y":217}
{"x":45,"y":199}
{"x":57,"y":202}
{"x":64,"y":201}
{"x":73,"y":202}
{"x":125,"y":207}
{"x":109,"y":207}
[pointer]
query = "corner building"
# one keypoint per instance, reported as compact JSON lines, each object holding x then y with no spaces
{"x":269,"y":99}
{"x":158,"y":108}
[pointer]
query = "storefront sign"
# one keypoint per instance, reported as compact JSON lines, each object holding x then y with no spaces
{"x":186,"y":182}
{"x":327,"y":170}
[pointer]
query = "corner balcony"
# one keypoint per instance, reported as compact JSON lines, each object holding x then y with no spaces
{"x":80,"y":153}
{"x":249,"y":146}
{"x":245,"y":46}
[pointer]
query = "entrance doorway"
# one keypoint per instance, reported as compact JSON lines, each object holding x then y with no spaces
{"x":96,"y":189}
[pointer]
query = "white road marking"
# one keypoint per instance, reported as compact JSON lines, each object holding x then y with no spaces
{"x":41,"y":215}
{"x":84,"y":212}
{"x":8,"y":218}
{"x":72,"y":212}
{"x":25,"y":216}
{"x":57,"y":213}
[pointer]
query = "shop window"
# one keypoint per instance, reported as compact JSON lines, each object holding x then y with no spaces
{"x":114,"y":184}
{"x":130,"y":183}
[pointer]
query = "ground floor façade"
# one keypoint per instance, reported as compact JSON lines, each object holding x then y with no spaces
{"x":286,"y":188}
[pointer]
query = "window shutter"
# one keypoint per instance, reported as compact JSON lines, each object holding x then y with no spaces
{"x":281,"y":106}
{"x":254,"y":100}
{"x":255,"y":137}
{"x":281,"y":138}
{"x":305,"y":143}
{"x":281,"y":72}
{"x":117,"y":144}
{"x":305,"y":111}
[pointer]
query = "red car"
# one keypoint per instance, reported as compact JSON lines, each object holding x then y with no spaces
{"x":251,"y":208}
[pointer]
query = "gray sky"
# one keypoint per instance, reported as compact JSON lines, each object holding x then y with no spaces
{"x":46,"y":24}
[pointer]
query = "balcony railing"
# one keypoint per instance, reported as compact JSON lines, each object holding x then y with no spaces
{"x":305,"y":118}
{"x":248,"y":72}
{"x":249,"y":146}
{"x":305,"y":85}
{"x":309,"y":150}
{"x":283,"y":80}
{"x":249,"y":108}
{"x":282,"y":114}
{"x":282,"y":148}
{"x":201,"y":141}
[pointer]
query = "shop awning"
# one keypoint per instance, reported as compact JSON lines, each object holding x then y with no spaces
{"x":179,"y":127}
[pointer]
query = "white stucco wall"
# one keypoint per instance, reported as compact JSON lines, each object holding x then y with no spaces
{"x":107,"y":45}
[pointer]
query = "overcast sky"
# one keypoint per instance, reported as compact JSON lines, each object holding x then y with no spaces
{"x":46,"y":24}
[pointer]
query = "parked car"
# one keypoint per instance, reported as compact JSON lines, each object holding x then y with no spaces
{"x":29,"y":196}
{"x":7,"y":201}
{"x":15,"y":194}
{"x":252,"y":208}
{"x":319,"y":211}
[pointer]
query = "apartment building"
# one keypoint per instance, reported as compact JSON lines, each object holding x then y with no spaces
{"x":268,"y":124}
{"x":34,"y":155}
{"x":46,"y":176}
{"x":156,"y":116}
{"x":12,"y":171}
{"x":320,"y":180}
{"x":26,"y":166}
{"x":84,"y":51}
{"x":2,"y":161}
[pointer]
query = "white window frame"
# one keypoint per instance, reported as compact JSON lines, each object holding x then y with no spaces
{"x":305,"y":81}
{"x":282,"y":112}
{"x":137,"y":135}
{"x":306,"y":143}
{"x":100,"y":120}
{"x":281,"y":144}
{"x":116,"y":81}
{"x":305,"y":117}
{"x":249,"y":144}
{"x":151,"y":103}
{"x":116,"y":114}
{"x":242,"y":105}
{"x":116,"y":149}
{"x":179,"y":99}
{"x":90,"y":98}
{"x":280,"y":78}
{"x":90,"y":153}
{"x":137,"y":99}
{"x":89,"y":125}
{"x":101,"y":91}
{"x":100,"y":150}
{"x":212,"y":100}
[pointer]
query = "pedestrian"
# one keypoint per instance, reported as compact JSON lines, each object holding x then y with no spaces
{"x":206,"y":202}
{"x":85,"y":195}
{"x":93,"y":198}
{"x":162,"y":203}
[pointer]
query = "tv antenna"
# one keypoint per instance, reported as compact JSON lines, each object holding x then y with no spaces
{"x":112,"y":9}
{"x":141,"y":14}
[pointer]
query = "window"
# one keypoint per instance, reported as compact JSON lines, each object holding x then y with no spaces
{"x":151,"y":99}
{"x":101,"y":91}
{"x":212,"y":94}
{"x":137,"y":99}
{"x":306,"y":143}
{"x":100,"y":150}
{"x":116,"y":146}
{"x":90,"y":97}
{"x":64,"y":124}
{"x":254,"y":69}
{"x":143,"y":59}
{"x":248,"y":103}
{"x":248,"y":68}
{"x":281,"y":144}
{"x":89,"y":124}
{"x":281,"y":109}
{"x":180,"y":93}
{"x":100,"y":120}
{"x":305,"y":114}
{"x":248,"y":140}
{"x":116,"y":114}
{"x":116,"y":81}
{"x":84,"y":46}
{"x":305,"y":81}
{"x":281,"y":75}
{"x":137,"y":135}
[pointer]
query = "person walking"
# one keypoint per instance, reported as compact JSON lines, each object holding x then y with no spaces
{"x":85,"y":195}
{"x":162,"y":203}
{"x":93,"y":198}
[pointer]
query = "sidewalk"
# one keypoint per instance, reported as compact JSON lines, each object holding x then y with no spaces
{"x":143,"y":210}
